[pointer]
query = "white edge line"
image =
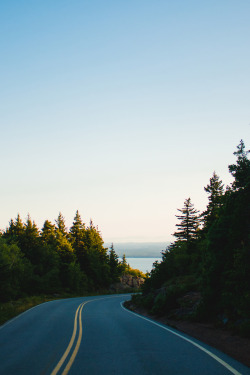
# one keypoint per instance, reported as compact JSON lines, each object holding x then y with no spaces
{"x":223,"y":363}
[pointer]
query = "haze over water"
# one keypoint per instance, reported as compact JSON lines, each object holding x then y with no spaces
{"x":143,"y":264}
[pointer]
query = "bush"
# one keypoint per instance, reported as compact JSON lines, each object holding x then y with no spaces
{"x":244,"y":329}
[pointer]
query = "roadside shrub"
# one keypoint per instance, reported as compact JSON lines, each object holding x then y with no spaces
{"x":244,"y":329}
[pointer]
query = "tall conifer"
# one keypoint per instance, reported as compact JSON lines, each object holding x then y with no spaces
{"x":241,"y":170}
{"x":215,"y":189}
{"x":48,"y":234}
{"x":60,"y":225}
{"x":77,"y":231}
{"x":189,"y":222}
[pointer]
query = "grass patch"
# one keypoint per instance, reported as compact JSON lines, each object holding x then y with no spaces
{"x":9,"y":310}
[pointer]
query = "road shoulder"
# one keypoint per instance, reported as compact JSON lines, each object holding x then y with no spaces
{"x":233,"y":345}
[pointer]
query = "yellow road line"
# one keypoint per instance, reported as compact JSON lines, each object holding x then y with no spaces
{"x":73,"y":356}
{"x":60,"y":363}
{"x":78,"y":316}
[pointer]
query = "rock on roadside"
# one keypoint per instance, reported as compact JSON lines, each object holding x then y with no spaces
{"x":127,"y":281}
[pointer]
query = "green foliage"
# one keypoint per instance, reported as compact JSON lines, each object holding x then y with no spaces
{"x":180,"y":258}
{"x":93,"y":257}
{"x":145,"y":301}
{"x":215,"y":201}
{"x":13,"y":308}
{"x":166,"y":299}
{"x":241,"y":170}
{"x":124,"y":265}
{"x":48,"y":233}
{"x":114,"y":264}
{"x":124,"y":268}
{"x":244,"y":328}
{"x":135,"y":272}
{"x":216,"y":257}
{"x":77,"y":232}
{"x":54,"y":260}
{"x":226,"y":269}
{"x":15,"y":271}
{"x":60,"y":225}
{"x":77,"y":280}
{"x":188,"y":227}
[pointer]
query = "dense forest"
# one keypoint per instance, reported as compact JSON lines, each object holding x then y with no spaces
{"x":210,"y":258}
{"x":54,"y":259}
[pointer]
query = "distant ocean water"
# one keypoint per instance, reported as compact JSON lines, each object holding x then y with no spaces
{"x":142,"y":264}
{"x":139,"y":249}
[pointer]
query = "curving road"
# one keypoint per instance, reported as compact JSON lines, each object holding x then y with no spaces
{"x":95,"y":336}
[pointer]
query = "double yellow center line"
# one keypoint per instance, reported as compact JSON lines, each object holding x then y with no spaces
{"x":78,"y":319}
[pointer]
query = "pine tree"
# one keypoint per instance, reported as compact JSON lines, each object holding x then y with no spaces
{"x":93,"y":257}
{"x":124,"y":264}
{"x":215,"y":190}
{"x":77,"y":231}
{"x":10,"y":231}
{"x":60,"y":225}
{"x":31,"y":229}
{"x":94,"y":241}
{"x":114,"y":264}
{"x":14,"y":272}
{"x":14,"y":233}
{"x":241,"y":170}
{"x":30,"y":241}
{"x":48,"y":233}
{"x":188,"y":227}
{"x":64,"y":249}
{"x":18,"y":225}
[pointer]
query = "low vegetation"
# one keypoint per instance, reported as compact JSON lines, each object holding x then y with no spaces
{"x":11,"y":309}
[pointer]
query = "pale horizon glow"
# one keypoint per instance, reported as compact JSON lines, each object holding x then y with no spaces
{"x":120,"y":110}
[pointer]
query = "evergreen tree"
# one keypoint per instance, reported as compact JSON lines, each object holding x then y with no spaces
{"x":10,"y":231}
{"x":18,"y":226}
{"x":64,"y":249}
{"x":29,"y":241}
{"x":48,"y":233}
{"x":67,"y":256}
{"x":241,"y":170}
{"x":15,"y":272}
{"x":114,"y":264}
{"x":31,"y":229}
{"x":188,"y":227}
{"x":15,"y":230}
{"x":215,"y":189}
{"x":226,"y":270}
{"x":77,"y":231}
{"x":93,"y":258}
{"x":94,"y":240}
{"x":124,"y":264}
{"x":60,"y":225}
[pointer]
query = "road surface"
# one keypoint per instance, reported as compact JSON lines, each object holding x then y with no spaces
{"x":97,"y":336}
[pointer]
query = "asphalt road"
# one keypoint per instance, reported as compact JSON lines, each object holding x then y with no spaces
{"x":95,"y":336}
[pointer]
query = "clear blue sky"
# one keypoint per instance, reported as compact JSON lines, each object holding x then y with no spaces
{"x":120,"y":109}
